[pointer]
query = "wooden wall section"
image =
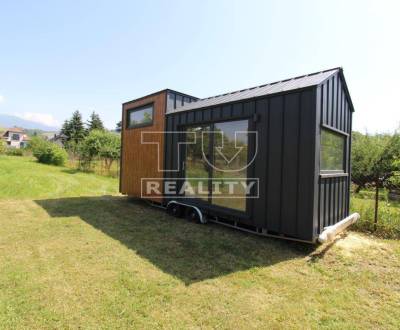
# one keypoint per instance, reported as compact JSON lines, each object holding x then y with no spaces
{"x":141,"y":160}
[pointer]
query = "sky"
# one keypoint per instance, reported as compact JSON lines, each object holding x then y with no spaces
{"x":61,"y":56}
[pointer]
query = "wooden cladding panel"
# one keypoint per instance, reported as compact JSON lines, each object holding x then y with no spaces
{"x":143,"y":160}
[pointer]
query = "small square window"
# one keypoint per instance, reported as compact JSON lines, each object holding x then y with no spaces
{"x":139,"y":117}
{"x":171,"y":101}
{"x":15,"y":137}
{"x":332,"y":151}
{"x":178,"y":101}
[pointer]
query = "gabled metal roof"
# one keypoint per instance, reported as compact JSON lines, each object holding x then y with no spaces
{"x":309,"y":80}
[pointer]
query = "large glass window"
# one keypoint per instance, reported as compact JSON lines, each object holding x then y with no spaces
{"x":196,"y":167}
{"x":140,"y":116}
{"x":218,"y":152}
{"x":332,"y":151}
{"x":230,"y":160}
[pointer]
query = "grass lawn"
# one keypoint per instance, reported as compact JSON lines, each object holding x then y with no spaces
{"x":75,"y":254}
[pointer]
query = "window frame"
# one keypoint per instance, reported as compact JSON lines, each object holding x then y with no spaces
{"x":342,"y":134}
{"x":136,"y":109}
{"x":208,"y":203}
{"x":15,"y":135}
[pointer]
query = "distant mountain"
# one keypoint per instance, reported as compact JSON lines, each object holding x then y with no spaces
{"x":8,"y":121}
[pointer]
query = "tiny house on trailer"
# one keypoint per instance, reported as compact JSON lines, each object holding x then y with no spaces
{"x":272,"y":159}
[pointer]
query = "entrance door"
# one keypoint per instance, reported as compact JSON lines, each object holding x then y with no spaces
{"x":230,"y":164}
{"x":216,"y":163}
{"x":197,"y":170}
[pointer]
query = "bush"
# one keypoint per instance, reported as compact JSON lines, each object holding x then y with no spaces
{"x":14,"y":152}
{"x":100,"y":144}
{"x":47,"y":152}
{"x":3,"y":147}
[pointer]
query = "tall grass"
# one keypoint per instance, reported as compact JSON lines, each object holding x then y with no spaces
{"x":96,"y":166}
{"x":388,"y":214}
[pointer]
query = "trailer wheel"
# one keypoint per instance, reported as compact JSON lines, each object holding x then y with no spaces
{"x":175,"y":210}
{"x":193,"y":215}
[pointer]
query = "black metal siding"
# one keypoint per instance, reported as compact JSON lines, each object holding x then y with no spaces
{"x":332,"y":193}
{"x":284,"y":163}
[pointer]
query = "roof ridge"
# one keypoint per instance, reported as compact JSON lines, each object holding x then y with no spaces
{"x":267,"y":84}
{"x":298,"y":82}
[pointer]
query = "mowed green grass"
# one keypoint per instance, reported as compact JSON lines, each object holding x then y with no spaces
{"x":75,"y":254}
{"x":23,"y":177}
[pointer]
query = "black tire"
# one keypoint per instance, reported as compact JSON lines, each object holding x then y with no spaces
{"x":192,"y":215}
{"x":175,"y":210}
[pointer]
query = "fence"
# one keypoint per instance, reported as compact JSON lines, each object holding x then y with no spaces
{"x":97,"y":166}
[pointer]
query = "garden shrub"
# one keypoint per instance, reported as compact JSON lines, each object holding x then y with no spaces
{"x":47,"y":152}
{"x":3,"y":147}
{"x":99,"y":144}
{"x":14,"y":152}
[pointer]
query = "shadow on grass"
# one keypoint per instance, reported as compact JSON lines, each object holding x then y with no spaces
{"x":189,"y":251}
{"x":71,"y":171}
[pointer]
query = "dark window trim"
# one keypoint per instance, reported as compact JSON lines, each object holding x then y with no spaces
{"x":214,"y":121}
{"x":335,"y":173}
{"x":183,"y":127}
{"x":334,"y":130}
{"x":332,"y":174}
{"x":130,"y":110}
{"x":17,"y":135}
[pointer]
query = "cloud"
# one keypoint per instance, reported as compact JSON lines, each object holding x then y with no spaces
{"x":42,"y":118}
{"x":1,"y":98}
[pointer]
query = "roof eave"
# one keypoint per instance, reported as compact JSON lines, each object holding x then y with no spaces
{"x":346,"y":89}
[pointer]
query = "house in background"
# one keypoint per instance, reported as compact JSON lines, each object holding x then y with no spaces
{"x":15,"y":137}
{"x":57,"y":138}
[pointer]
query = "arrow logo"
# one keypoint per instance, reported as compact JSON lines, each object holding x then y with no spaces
{"x":219,"y":149}
{"x":227,"y":159}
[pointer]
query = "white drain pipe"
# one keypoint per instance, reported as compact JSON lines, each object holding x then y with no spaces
{"x":330,"y":232}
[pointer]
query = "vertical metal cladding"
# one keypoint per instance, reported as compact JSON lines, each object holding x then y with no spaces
{"x":296,"y":199}
{"x":334,"y":111}
{"x":284,"y":163}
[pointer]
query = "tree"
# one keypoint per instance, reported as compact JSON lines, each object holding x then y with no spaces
{"x":74,"y":131}
{"x":78,"y":132}
{"x":103,"y":144}
{"x":119,"y":126}
{"x":66,"y":129}
{"x":95,"y":122}
{"x":375,"y":160}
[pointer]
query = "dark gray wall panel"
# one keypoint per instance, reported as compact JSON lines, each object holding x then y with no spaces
{"x":260,"y":164}
{"x":294,"y":200}
{"x":290,"y":146}
{"x":306,"y":214}
{"x":333,"y":193}
{"x":275,"y":137}
{"x":332,"y":198}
